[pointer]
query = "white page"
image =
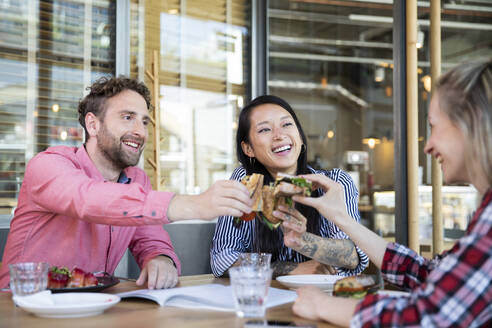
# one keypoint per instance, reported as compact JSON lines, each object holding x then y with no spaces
{"x":210,"y":296}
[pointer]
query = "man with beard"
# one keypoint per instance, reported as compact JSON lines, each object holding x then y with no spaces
{"x":85,"y":206}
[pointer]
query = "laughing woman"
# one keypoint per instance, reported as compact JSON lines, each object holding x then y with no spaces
{"x":270,"y":140}
{"x":454,"y":289}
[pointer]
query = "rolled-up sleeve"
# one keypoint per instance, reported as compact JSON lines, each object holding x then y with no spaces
{"x":65,"y":189}
{"x":151,"y":241}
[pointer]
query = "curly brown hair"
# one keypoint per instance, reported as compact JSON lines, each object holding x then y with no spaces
{"x":105,"y":88}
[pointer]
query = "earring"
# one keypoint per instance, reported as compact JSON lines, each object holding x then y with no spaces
{"x":303,"y":148}
{"x":251,"y":161}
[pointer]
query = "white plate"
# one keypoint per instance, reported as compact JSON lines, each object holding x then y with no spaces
{"x":393,"y":293}
{"x":323,"y":281}
{"x":66,"y":305}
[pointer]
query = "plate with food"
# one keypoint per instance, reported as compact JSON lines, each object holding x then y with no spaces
{"x":66,"y":305}
{"x":393,"y":293}
{"x":62,"y":280}
{"x":356,"y":286}
{"x":322,"y":281}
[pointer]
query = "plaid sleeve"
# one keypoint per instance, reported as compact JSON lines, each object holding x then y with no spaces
{"x":453,"y":292}
{"x":405,"y":268}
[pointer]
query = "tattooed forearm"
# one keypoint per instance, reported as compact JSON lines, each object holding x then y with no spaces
{"x":283,"y":268}
{"x":335,"y":252}
{"x":310,"y":246}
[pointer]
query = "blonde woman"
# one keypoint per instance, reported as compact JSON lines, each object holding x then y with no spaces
{"x":455,"y":288}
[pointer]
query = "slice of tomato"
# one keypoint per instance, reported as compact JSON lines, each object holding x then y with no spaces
{"x":248,"y":217}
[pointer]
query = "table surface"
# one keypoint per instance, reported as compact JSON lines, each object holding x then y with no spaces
{"x":137,"y":313}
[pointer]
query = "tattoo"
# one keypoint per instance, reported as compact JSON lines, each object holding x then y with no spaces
{"x":283,"y":268}
{"x":335,"y":252}
{"x":310,"y":247}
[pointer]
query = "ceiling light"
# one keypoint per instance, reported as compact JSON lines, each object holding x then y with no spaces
{"x":240,"y":101}
{"x":388,"y":91}
{"x":420,"y":39}
{"x":55,"y":108}
{"x":427,"y":81}
{"x":105,"y":41}
{"x":371,"y":141}
{"x":379,"y":74}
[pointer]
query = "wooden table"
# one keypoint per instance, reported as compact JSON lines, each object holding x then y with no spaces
{"x":136,"y":313}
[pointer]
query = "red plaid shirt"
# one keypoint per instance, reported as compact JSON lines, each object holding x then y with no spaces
{"x":452,"y":290}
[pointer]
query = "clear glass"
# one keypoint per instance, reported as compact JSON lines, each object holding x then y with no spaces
{"x":28,"y":278}
{"x":250,"y":290}
{"x":262,"y":260}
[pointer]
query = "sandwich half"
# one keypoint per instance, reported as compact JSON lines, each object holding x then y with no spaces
{"x":355,"y":286}
{"x":266,"y":198}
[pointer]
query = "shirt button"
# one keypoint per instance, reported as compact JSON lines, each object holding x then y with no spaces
{"x":153,"y":213}
{"x":125,"y":213}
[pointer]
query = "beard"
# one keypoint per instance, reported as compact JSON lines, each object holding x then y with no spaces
{"x":113,"y":150}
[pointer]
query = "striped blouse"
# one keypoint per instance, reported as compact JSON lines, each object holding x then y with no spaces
{"x":228,"y":241}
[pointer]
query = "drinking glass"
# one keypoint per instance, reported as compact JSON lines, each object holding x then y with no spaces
{"x":28,"y":278}
{"x":250,"y":286}
{"x":255,"y":259}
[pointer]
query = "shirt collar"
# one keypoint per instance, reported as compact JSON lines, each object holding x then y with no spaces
{"x":487,"y":198}
{"x":91,"y":170}
{"x":123,"y":178}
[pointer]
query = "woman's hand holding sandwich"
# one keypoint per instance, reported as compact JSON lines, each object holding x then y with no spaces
{"x":325,"y":252}
{"x":293,"y":225}
{"x":332,"y":206}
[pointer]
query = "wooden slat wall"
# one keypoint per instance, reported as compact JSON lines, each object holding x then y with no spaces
{"x":199,"y":75}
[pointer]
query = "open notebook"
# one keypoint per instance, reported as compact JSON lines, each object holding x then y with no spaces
{"x":212,"y":296}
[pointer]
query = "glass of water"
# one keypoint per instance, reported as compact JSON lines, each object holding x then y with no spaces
{"x":250,"y":286}
{"x":255,"y":259}
{"x":28,"y":278}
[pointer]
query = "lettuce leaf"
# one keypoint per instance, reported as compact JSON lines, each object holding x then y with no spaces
{"x":301,"y":182}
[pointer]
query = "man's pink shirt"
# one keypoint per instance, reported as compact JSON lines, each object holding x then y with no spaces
{"x":68,"y":215}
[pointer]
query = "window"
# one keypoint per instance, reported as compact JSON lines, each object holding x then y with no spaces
{"x":49,"y":52}
{"x":204,"y":80}
{"x":334,"y":66}
{"x":464,"y":30}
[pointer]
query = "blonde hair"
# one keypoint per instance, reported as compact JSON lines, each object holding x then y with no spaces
{"x":465,"y":95}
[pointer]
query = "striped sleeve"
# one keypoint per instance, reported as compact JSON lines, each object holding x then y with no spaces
{"x":228,"y":241}
{"x":352,"y":200}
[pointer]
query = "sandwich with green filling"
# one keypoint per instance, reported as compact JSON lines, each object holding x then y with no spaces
{"x":267,"y":197}
{"x":355,"y":286}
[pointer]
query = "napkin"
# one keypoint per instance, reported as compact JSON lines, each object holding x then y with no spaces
{"x":43,"y":298}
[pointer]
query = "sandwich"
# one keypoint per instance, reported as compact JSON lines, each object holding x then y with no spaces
{"x":288,"y":186}
{"x":355,"y":286}
{"x":266,"y":198}
{"x":254,"y":183}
